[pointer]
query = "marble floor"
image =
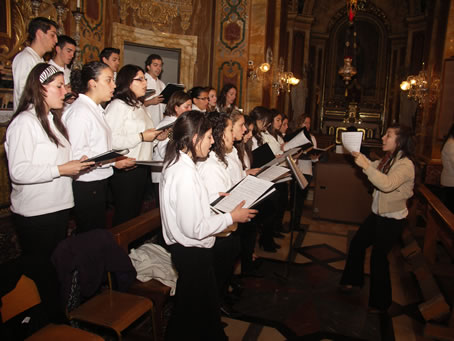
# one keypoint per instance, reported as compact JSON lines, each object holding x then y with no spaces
{"x":299,"y":300}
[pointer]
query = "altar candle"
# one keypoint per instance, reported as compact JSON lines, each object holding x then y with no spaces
{"x":78,"y":4}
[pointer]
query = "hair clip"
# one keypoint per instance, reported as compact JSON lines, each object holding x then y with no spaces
{"x":48,"y":72}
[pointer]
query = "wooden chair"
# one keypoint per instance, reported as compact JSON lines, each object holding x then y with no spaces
{"x":129,"y":232}
{"x":24,"y":296}
{"x":114,"y":310}
{"x":109,"y":309}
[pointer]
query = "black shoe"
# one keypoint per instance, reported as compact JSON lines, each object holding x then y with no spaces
{"x":237,"y":289}
{"x":228,"y":311}
{"x":252,"y":273}
{"x":268,"y":247}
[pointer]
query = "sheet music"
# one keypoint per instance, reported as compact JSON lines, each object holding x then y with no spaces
{"x":288,"y":178}
{"x":250,"y":189}
{"x":351,"y":140}
{"x":297,"y":141}
{"x":273,"y":173}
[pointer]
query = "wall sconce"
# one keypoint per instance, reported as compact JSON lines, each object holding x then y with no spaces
{"x":422,"y":88}
{"x":284,"y":79}
{"x":254,"y":73}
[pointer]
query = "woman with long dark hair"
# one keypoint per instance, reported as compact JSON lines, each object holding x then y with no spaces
{"x":179,"y":103}
{"x":212,"y":99}
{"x":189,"y":229}
{"x":393,"y":178}
{"x":447,"y":174}
{"x":41,"y":170}
{"x":132,"y":129}
{"x":90,"y":135}
{"x":262,"y":118}
{"x":227,"y":98}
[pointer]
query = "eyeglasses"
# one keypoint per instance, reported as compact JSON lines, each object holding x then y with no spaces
{"x":203,"y":98}
{"x":140,"y":79}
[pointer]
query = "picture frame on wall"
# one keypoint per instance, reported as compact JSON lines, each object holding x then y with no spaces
{"x":5,"y":20}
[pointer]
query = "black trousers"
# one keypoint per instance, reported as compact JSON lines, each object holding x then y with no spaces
{"x":380,"y":233}
{"x":226,"y":252}
{"x":196,"y":314}
{"x":38,"y":237}
{"x":128,"y":189}
{"x":447,"y":197}
{"x":247,"y":233}
{"x":90,"y":200}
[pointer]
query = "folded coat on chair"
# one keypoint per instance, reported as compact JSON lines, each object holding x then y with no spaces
{"x":93,"y":254}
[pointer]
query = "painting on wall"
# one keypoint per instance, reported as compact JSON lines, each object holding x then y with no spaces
{"x":5,"y":18}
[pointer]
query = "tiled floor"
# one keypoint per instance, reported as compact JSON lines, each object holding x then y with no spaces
{"x":308,"y":306}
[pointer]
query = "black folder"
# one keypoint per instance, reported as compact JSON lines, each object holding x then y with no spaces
{"x":109,"y":155}
{"x":261,"y":156}
{"x":169,"y":90}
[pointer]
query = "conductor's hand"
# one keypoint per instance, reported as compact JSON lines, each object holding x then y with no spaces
{"x":125,"y":163}
{"x":361,"y":160}
{"x":242,"y":215}
{"x":74,"y":167}
{"x":150,"y":134}
{"x":154,"y":100}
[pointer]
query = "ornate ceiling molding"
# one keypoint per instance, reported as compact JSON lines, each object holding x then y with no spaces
{"x":159,"y":13}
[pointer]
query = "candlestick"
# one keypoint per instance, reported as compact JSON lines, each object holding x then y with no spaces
{"x":77,"y":63}
{"x":61,"y":10}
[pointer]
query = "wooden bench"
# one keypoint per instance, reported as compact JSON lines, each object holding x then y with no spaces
{"x":129,"y":232}
{"x":439,"y":230}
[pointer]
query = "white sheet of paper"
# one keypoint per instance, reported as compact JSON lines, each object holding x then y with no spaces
{"x":297,"y":141}
{"x":351,"y":140}
{"x":273,"y":172}
{"x":250,"y":189}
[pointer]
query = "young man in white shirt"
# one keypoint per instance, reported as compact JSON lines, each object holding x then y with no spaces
{"x":42,"y":33}
{"x":111,"y":57}
{"x":64,"y":54}
{"x":155,"y":108}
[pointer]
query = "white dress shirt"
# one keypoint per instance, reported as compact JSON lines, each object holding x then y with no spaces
{"x":33,"y":160}
{"x":185,"y":207}
{"x":215,"y":176}
{"x":126,"y":123}
{"x":195,"y":107}
{"x":156,"y":112}
{"x":23,"y":63}
{"x":89,"y":135}
{"x":272,"y":142}
{"x":159,"y":150}
{"x":447,"y":159}
{"x":66,"y":71}
{"x":235,"y":167}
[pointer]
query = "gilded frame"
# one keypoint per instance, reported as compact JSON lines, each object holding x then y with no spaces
{"x":6,"y":6}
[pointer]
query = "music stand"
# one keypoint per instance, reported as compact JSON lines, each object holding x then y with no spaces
{"x":302,"y":183}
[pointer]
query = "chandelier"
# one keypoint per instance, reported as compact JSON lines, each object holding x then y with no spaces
{"x":284,"y":79}
{"x":422,"y":88}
